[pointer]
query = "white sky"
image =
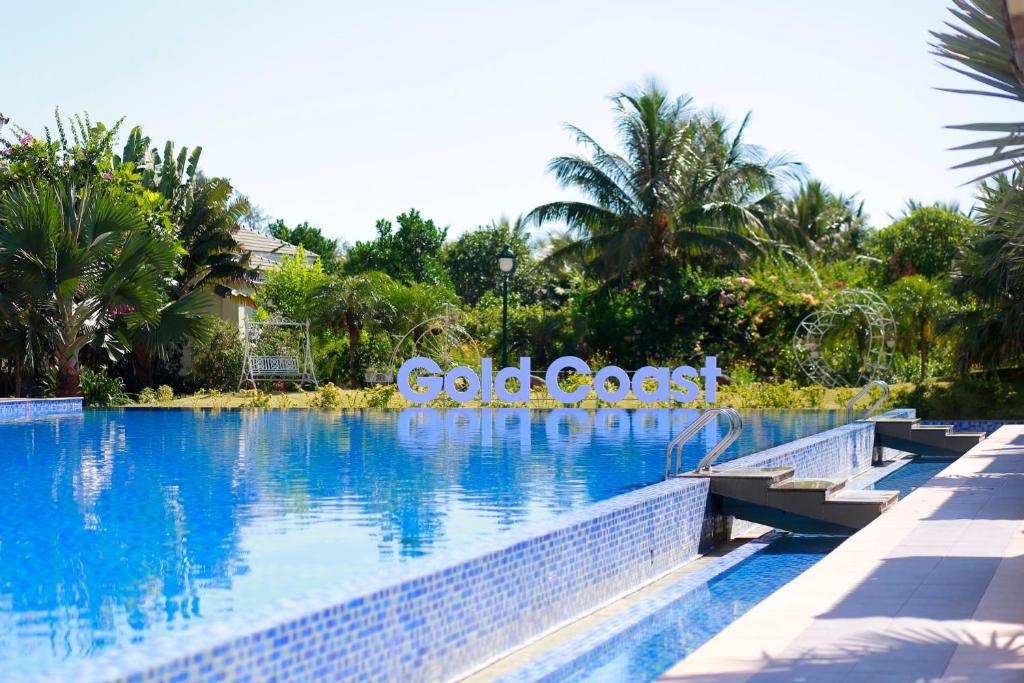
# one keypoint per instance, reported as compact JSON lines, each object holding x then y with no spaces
{"x":341,"y":113}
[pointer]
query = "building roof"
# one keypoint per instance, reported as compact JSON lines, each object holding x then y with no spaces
{"x":266,"y":251}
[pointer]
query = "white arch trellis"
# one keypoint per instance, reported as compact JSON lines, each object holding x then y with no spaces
{"x":440,"y":338}
{"x":280,"y":366}
{"x":872,"y":315}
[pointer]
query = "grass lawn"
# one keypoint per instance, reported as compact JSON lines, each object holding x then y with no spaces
{"x":991,"y":397}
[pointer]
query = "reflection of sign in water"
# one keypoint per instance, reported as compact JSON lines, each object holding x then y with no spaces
{"x":564,"y":428}
{"x":463,"y":384}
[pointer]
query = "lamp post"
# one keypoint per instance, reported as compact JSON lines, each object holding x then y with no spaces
{"x":506,"y":264}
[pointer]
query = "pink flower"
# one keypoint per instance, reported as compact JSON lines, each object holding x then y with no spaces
{"x":26,"y":140}
{"x":840,"y":284}
{"x":107,"y":175}
{"x":6,"y":151}
{"x":744,"y":282}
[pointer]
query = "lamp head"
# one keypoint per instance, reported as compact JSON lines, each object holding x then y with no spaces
{"x":506,"y":261}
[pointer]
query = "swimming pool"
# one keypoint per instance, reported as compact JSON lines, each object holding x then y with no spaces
{"x":116,"y":526}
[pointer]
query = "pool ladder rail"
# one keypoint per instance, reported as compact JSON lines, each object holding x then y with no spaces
{"x":851,"y":405}
{"x":677,"y":444}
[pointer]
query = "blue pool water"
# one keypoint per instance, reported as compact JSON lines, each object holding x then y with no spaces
{"x":116,"y":526}
{"x":920,"y":469}
{"x":645,"y":651}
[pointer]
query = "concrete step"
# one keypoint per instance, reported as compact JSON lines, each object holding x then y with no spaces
{"x":748,"y":483}
{"x":772,"y":495}
{"x":904,"y":433}
{"x":945,"y":438}
{"x":803,"y":496}
{"x":857,"y":509}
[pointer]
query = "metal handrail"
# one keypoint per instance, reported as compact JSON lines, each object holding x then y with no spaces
{"x":852,"y":403}
{"x":679,"y":442}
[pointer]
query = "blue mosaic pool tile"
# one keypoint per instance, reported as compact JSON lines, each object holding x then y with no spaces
{"x":26,"y":408}
{"x":836,"y":454}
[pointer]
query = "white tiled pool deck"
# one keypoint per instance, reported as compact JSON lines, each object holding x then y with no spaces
{"x":931,"y":591}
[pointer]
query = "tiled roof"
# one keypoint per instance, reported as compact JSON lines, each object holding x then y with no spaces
{"x":257,"y":243}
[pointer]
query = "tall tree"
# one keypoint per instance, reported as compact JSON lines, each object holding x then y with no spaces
{"x":410,"y":254}
{"x":206,"y":222}
{"x":926,"y":242}
{"x":472,"y":262}
{"x":685,"y":188}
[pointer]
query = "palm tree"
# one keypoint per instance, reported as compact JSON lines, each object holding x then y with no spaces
{"x":983,"y":48}
{"x":353,"y":302}
{"x":685,"y":187}
{"x":918,"y":303}
{"x":818,"y":222}
{"x":207,"y":220}
{"x":78,"y":258}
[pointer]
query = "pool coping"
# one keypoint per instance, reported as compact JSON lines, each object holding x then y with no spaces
{"x":275,"y":635}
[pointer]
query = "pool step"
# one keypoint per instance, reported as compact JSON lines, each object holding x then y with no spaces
{"x":774,"y":496}
{"x":904,"y":433}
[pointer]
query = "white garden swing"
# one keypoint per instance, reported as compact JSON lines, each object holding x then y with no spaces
{"x":280,"y":366}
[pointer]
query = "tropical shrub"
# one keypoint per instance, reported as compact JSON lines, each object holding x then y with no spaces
{"x":327,"y":397}
{"x":100,"y":390}
{"x":217,"y":361}
{"x":289,"y":291}
{"x":379,"y":396}
{"x":164,"y":394}
{"x":254,"y":398}
{"x":926,"y":242}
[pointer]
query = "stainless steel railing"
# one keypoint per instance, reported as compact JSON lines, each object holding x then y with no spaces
{"x":679,"y":442}
{"x":851,"y":405}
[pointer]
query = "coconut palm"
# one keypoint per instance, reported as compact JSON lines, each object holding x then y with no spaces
{"x":818,"y":222}
{"x":685,"y":187}
{"x":74,"y":260}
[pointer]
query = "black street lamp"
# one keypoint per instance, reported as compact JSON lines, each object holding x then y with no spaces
{"x":506,"y":264}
